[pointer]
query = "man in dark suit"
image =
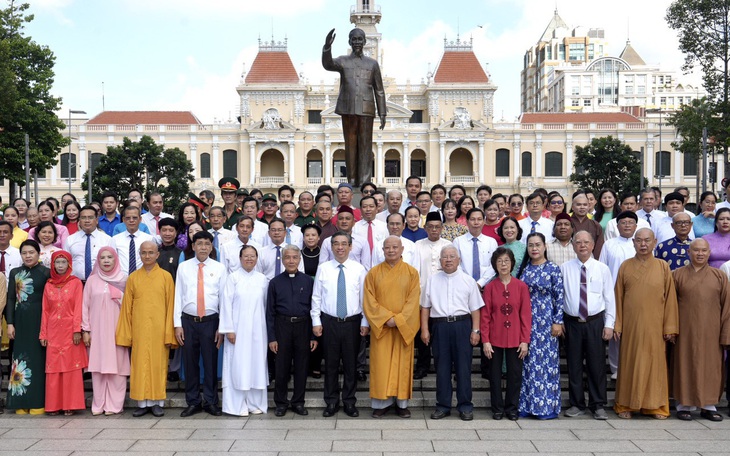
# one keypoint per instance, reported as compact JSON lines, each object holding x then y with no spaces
{"x":361,"y":90}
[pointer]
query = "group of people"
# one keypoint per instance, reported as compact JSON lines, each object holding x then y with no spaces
{"x":262,"y":289}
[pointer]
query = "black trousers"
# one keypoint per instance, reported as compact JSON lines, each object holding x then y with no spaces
{"x":200,"y":341}
{"x":341,"y":342}
{"x":358,"y":133}
{"x":423,"y":351}
{"x":293,"y":340}
{"x":362,"y":358}
{"x":511,"y":399}
{"x":315,"y":357}
{"x":584,"y":342}
{"x":451,"y":347}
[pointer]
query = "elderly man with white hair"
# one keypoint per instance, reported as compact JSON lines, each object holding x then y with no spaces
{"x":451,"y":299}
{"x":393,"y":202}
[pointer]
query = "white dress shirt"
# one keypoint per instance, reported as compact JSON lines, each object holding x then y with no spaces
{"x":295,"y":236}
{"x":429,"y":255}
{"x":405,"y":204}
{"x":383,"y":216}
{"x":611,"y":230}
{"x":268,"y":256}
{"x":76,"y":246}
{"x":380,"y":231}
{"x":324,"y":295}
{"x":544,"y":226}
{"x":600,"y":289}
{"x":224,"y":236}
{"x":615,"y":251}
{"x":722,"y":204}
{"x":230,"y":254}
{"x":655,"y":215}
{"x":663,"y":230}
{"x":410,"y":255}
{"x":12,"y":261}
{"x":149,"y":220}
{"x":186,"y":288}
{"x":121,"y":242}
{"x":487,"y":246}
{"x":451,"y":294}
{"x":360,"y":251}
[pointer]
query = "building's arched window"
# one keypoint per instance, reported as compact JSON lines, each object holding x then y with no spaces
{"x":64,"y":162}
{"x":392,"y":163}
{"x":526,"y":164}
{"x":205,"y":166}
{"x":501,"y":162}
{"x":663,"y":163}
{"x":96,"y":160}
{"x":314,"y":163}
{"x":230,"y":163}
{"x":553,"y":164}
{"x":690,"y":165}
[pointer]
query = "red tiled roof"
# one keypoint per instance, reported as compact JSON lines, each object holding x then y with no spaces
{"x":460,"y":66}
{"x":144,"y":118}
{"x":577,"y":117}
{"x":272,"y":67}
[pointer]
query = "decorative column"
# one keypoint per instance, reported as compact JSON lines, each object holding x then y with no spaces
{"x":677,"y":166}
{"x":252,"y":163}
{"x":379,"y":177}
{"x":517,"y":160}
{"x":538,"y":156}
{"x":649,"y":162}
{"x":327,"y":163}
{"x":480,"y":171}
{"x":194,"y":159}
{"x":442,"y":161}
{"x":291,"y":162}
{"x":569,"y":153}
{"x":406,"y":161}
{"x":216,"y":163}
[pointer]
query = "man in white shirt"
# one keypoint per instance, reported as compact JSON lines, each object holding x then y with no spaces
{"x":338,"y":318}
{"x":452,"y":301}
{"x":129,"y":241}
{"x":663,"y":230}
{"x":726,"y":203}
{"x":413,"y":186}
{"x":270,"y":257}
{"x":535,"y":222}
{"x":647,"y":211}
{"x":396,"y":225}
{"x":589,"y":315}
{"x":615,"y":251}
{"x":393,"y":204}
{"x":476,"y":249}
{"x":196,"y":324}
{"x":293,"y":234}
{"x":155,"y":214}
{"x":9,"y":255}
{"x":221,"y":236}
{"x":369,"y":228}
{"x":260,"y":232}
{"x":360,"y":250}
{"x":85,"y":244}
{"x":230,"y":252}
{"x":628,"y":203}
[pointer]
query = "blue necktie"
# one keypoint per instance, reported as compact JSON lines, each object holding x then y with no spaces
{"x":341,"y":294}
{"x":534,"y":224}
{"x":476,"y":267}
{"x":87,"y":257}
{"x":215,"y":240}
{"x":648,"y":217}
{"x":277,"y":268}
{"x":288,"y":236}
{"x":132,"y":255}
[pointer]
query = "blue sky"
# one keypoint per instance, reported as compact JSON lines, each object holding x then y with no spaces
{"x":189,"y":54}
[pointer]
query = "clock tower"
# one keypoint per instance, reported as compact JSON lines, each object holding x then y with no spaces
{"x":366,"y":15}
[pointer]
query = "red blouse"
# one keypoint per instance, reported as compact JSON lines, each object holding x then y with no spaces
{"x":506,"y":317}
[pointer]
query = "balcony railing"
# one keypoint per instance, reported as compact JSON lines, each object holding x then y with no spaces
{"x":462,"y":179}
{"x":392,"y":181}
{"x":315,"y":181}
{"x":270,"y":180}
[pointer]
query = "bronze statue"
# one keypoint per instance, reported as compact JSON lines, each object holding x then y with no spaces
{"x":361,"y":90}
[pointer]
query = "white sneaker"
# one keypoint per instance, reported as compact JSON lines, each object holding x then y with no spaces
{"x":614,"y":376}
{"x":256,"y":412}
{"x":574,"y":411}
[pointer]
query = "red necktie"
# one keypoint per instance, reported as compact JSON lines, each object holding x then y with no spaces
{"x":2,"y":262}
{"x":201,"y":291}
{"x":157,"y":224}
{"x":370,"y":236}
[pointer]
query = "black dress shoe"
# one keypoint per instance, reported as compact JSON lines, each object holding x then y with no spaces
{"x":438,"y":414}
{"x":419,"y":374}
{"x":497,"y":415}
{"x":142,"y":411}
{"x":330,"y":410}
{"x":212,"y":409}
{"x":314,"y":374}
{"x":173,"y":377}
{"x":378,"y":413}
{"x":466,"y":416}
{"x":351,"y":411}
{"x":280,"y":411}
{"x":403,"y":412}
{"x":361,"y":376}
{"x":157,"y":411}
{"x":299,"y":410}
{"x":191,"y":410}
{"x":513,"y":416}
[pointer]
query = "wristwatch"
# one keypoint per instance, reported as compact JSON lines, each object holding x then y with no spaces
{"x":476,"y":331}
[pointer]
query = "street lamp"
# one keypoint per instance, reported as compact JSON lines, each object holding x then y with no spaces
{"x":70,"y":111}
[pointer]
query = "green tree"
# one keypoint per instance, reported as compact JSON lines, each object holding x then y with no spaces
{"x":144,"y":165}
{"x":689,"y":122}
{"x":26,"y":103}
{"x":703,"y":27}
{"x":606,"y":163}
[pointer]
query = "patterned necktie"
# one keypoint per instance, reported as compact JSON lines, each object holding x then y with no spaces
{"x":87,"y":257}
{"x":341,"y":293}
{"x":201,"y":291}
{"x":370,"y":236}
{"x":288,"y":236}
{"x":648,"y":218}
{"x":534,"y":224}
{"x":215,"y":240}
{"x":2,"y":262}
{"x":157,"y":224}
{"x":277,"y":268}
{"x":132,"y":255}
{"x":475,"y":265}
{"x":583,"y":304}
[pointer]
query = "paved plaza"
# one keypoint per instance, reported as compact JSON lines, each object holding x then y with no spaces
{"x":293,"y":435}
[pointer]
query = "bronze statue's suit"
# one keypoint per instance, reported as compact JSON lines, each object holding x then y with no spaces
{"x":361,"y":90}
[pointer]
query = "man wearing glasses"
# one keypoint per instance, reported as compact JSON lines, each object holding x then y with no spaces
{"x":535,"y":222}
{"x":664,"y":228}
{"x":675,"y":251}
{"x":269,"y":205}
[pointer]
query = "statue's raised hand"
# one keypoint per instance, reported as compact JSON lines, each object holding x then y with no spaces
{"x":330,"y":39}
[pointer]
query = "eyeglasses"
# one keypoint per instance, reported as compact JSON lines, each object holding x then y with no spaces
{"x":556,"y":203}
{"x":682,"y":223}
{"x":534,"y":203}
{"x":268,"y":204}
{"x":518,"y":204}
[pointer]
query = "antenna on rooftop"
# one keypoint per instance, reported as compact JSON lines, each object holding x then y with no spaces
{"x":102,"y":97}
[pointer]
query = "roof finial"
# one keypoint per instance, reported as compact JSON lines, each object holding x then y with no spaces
{"x":628,"y":30}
